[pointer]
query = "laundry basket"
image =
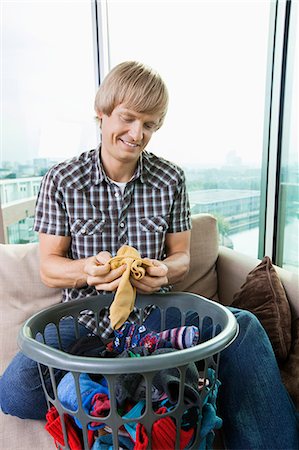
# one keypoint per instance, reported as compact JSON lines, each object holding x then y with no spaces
{"x":217,"y":329}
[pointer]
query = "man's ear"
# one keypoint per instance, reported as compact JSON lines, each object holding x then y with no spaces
{"x":99,"y":116}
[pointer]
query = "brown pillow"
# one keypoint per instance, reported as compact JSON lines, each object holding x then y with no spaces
{"x":264,"y":295}
{"x":290,"y":369}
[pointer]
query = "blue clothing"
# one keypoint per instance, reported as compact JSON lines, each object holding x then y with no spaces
{"x":256,"y":409}
{"x":21,"y":391}
{"x":105,"y":443}
{"x":66,"y":392}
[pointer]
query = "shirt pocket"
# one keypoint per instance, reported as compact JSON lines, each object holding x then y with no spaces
{"x":87,"y":227}
{"x":157,"y":224}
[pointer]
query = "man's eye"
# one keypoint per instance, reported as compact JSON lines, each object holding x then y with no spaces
{"x":150,"y":126}
{"x":126,"y":119}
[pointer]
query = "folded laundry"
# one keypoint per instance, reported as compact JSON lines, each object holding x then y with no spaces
{"x":132,"y":352}
{"x":181,"y":337}
{"x":125,"y":387}
{"x":106,"y":443}
{"x":131,"y":335}
{"x":163,"y":435}
{"x":134,"y":413}
{"x":167,"y":380}
{"x":54,"y":428}
{"x":91,"y":346}
{"x":66,"y":391}
{"x":130,"y":391}
{"x":210,"y":422}
{"x":100,"y":405}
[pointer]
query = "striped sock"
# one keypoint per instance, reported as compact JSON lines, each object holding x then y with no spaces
{"x":182,"y":337}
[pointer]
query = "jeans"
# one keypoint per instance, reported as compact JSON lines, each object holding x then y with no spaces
{"x":21,"y":391}
{"x":256,"y":409}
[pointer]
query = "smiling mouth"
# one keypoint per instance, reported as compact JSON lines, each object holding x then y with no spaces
{"x":130,"y":144}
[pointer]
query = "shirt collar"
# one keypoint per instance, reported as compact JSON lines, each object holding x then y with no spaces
{"x":145,"y":171}
{"x":99,"y":173}
{"x":148,"y":173}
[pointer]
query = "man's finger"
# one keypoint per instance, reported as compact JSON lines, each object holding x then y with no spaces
{"x":149,"y":283}
{"x":94,"y":269}
{"x":111,"y":287}
{"x":103,"y":257}
{"x":157,"y":271}
{"x":107,"y":276}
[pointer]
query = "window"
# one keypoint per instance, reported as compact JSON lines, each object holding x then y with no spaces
{"x":223,"y":63}
{"x":48,"y":88}
{"x":288,"y":201}
{"x":213,"y":57}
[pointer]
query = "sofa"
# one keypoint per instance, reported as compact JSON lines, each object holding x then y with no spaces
{"x":216,"y":272}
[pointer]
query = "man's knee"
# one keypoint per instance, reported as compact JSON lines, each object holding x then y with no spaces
{"x":246,"y":318}
{"x":252,"y":336}
{"x":21,"y":392}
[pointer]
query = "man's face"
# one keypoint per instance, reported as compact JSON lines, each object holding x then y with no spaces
{"x":125,"y":133}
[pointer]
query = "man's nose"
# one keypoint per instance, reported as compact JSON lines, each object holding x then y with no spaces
{"x":136,"y":130}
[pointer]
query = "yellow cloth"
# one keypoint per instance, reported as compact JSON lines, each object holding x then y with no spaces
{"x":124,"y":299}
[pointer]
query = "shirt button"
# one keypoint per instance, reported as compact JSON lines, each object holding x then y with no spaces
{"x":116,"y":194}
{"x":160,"y":228}
{"x":121,"y":224}
{"x":83,"y":231}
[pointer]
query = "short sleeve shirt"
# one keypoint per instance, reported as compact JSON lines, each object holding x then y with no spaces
{"x":77,"y":199}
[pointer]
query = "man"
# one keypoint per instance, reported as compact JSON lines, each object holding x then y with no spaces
{"x":90,"y":206}
{"x":119,"y":194}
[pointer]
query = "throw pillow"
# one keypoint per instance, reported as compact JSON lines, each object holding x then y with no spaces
{"x":263,"y":294}
{"x":290,"y":369}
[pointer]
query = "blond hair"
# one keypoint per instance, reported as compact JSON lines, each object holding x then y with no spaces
{"x":136,"y":85}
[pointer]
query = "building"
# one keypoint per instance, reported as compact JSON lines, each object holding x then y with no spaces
{"x":18,"y":198}
{"x":239,"y":208}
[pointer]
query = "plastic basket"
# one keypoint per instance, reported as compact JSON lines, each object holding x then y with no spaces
{"x":223,"y":330}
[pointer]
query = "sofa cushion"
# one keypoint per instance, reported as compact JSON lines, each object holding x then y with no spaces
{"x":263,"y":295}
{"x":20,"y":434}
{"x":21,"y":294}
{"x":202,"y":277}
{"x":290,"y":368}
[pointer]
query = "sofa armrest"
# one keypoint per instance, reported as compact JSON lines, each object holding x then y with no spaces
{"x":21,"y":294}
{"x":233,"y":268}
{"x":202,"y":277}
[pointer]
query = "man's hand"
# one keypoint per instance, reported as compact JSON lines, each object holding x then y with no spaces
{"x":154,"y":279}
{"x":99,"y":274}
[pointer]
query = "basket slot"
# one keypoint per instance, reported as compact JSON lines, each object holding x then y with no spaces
{"x":65,"y":438}
{"x":42,"y":378}
{"x":111,"y":385}
{"x":53,"y":384}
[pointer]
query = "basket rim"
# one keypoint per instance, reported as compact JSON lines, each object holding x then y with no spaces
{"x":59,"y":359}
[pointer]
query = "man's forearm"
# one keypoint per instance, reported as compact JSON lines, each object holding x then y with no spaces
{"x":58,"y":271}
{"x":178,"y":266}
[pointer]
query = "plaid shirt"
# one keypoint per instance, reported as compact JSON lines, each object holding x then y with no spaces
{"x":77,"y":199}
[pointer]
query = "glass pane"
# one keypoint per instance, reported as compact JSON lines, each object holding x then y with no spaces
{"x":288,"y":212}
{"x":213,"y":57}
{"x":48,"y":88}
